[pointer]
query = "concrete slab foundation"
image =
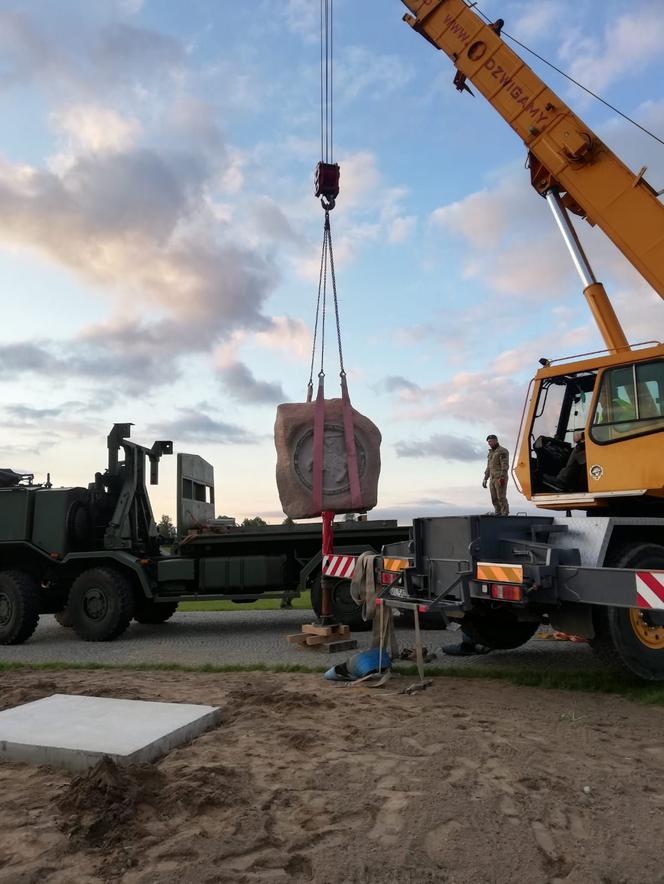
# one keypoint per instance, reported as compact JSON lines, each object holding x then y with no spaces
{"x":75,"y":732}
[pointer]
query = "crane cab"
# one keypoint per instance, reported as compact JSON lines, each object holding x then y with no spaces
{"x":617,"y":402}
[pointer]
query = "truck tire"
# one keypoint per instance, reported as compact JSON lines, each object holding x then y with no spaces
{"x":101,"y":604}
{"x":631,"y":639}
{"x":63,"y":617}
{"x":344,"y":608}
{"x":153,"y":613}
{"x":499,"y":633}
{"x":19,"y":607}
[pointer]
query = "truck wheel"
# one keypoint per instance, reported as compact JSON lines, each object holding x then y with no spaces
{"x":150,"y":612}
{"x":499,"y":633}
{"x":63,"y":617}
{"x":101,"y":604}
{"x":19,"y":607}
{"x":343,"y":607}
{"x":632,"y":639}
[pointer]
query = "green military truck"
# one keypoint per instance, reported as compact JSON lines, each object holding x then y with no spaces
{"x":93,"y":557}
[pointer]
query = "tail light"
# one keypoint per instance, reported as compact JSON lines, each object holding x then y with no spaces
{"x":506,"y":593}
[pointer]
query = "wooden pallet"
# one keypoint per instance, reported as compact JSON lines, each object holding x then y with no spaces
{"x":328,"y":639}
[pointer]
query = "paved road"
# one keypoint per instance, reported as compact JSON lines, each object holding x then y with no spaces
{"x":247,"y":637}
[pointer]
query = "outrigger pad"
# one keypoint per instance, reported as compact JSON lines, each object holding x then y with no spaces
{"x":294,"y":440}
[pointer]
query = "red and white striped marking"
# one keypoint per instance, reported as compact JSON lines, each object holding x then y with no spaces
{"x":339,"y":566}
{"x":650,"y":589}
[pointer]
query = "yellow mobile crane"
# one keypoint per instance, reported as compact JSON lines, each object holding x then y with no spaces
{"x":617,"y":397}
{"x":601,"y":574}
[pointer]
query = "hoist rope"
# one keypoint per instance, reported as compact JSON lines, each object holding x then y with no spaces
{"x":569,"y":77}
{"x":328,"y":188}
{"x":327,"y":80}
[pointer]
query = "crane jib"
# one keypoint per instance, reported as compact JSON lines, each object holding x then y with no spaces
{"x":515,"y":91}
{"x":565,"y":155}
{"x":503,"y":77}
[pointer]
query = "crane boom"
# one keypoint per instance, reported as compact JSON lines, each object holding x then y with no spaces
{"x":565,"y":155}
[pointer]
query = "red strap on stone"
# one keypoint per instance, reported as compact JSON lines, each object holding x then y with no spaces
{"x":351,"y":450}
{"x":328,"y":532}
{"x":319,"y":438}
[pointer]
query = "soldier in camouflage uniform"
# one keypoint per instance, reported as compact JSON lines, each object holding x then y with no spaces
{"x":497,"y":468}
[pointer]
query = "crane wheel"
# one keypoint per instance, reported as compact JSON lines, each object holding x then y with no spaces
{"x":632,"y":639}
{"x":344,"y":608}
{"x":101,"y":604}
{"x":19,"y":607}
{"x":499,"y":633}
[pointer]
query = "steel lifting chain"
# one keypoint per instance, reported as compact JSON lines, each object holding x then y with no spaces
{"x":326,"y":268}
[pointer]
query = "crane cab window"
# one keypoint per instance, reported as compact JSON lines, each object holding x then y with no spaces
{"x":563,"y":408}
{"x":630,"y":403}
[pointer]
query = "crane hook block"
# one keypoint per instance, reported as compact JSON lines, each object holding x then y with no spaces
{"x":327,"y":182}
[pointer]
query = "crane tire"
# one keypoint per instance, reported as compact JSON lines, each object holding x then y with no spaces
{"x":499,"y":633}
{"x":631,"y":639}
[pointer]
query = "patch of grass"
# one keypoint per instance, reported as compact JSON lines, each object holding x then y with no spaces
{"x":63,"y":666}
{"x":301,"y":603}
{"x":565,"y":680}
{"x":591,"y":681}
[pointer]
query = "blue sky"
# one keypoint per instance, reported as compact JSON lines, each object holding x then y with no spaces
{"x":159,"y":239}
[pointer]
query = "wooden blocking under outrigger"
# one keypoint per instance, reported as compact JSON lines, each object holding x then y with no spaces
{"x":330,"y":639}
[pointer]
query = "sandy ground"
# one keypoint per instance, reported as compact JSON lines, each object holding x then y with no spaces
{"x":307,"y":782}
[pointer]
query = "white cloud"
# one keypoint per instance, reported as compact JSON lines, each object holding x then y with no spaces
{"x":511,"y":243}
{"x":291,"y":337}
{"x":135,"y":224}
{"x":361,"y":181}
{"x":629,"y":44}
{"x":232,"y":178}
{"x":534,"y":20}
{"x":492,"y":397}
{"x":363,"y":73}
{"x":369,"y":210}
{"x":242,"y":385}
{"x":192,"y":425}
{"x":130,"y":7}
{"x":303,"y":18}
{"x":269,"y":220}
{"x":96,"y":128}
{"x":401,"y":229}
{"x":486,"y":399}
{"x":487,"y":216}
{"x":444,"y":446}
